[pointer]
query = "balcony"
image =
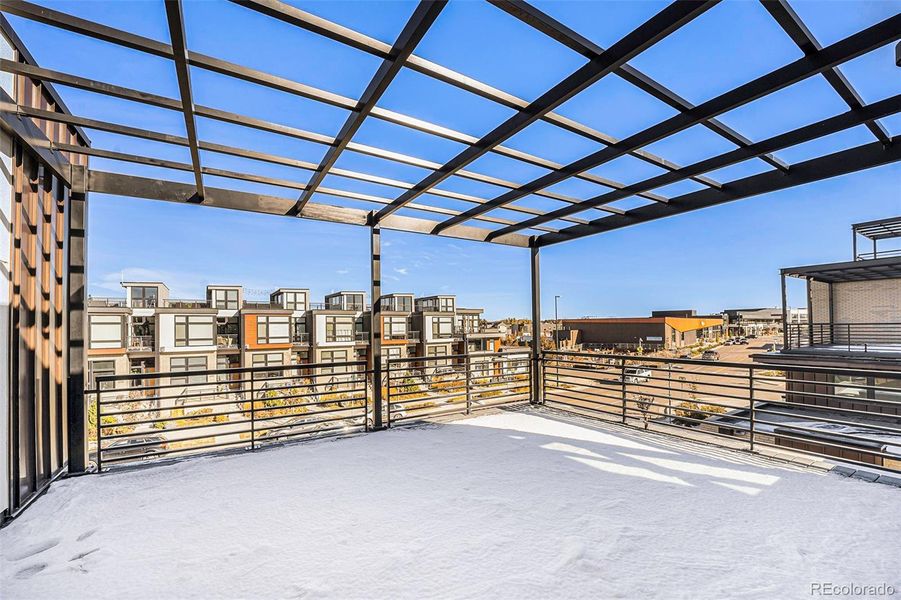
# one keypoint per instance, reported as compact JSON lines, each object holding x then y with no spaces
{"x":300,"y":338}
{"x":401,"y":335}
{"x":615,"y":428}
{"x":185,"y":303}
{"x":265,"y":305}
{"x":844,"y":337}
{"x":227,"y":341}
{"x":141,"y":343}
{"x":99,"y":302}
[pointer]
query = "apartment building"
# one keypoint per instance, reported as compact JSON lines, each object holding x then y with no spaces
{"x":148,"y":331}
{"x":854,"y":322}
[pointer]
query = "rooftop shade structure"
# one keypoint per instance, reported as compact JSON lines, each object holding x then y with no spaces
{"x":533,"y":212}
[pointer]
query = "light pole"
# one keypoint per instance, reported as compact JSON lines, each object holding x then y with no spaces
{"x":556,"y":325}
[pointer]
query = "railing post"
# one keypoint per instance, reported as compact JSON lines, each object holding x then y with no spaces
{"x":751,"y":407}
{"x":468,"y":376}
{"x":622,"y":378}
{"x":253,"y":428}
{"x":535,"y":391}
{"x":99,"y":429}
{"x":387,"y":398}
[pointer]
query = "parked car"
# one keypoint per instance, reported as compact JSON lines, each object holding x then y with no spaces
{"x":145,"y":447}
{"x":685,"y":356}
{"x":710,"y":355}
{"x":637,"y":374}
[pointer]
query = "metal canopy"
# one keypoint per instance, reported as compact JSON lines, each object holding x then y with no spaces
{"x":859,"y":270}
{"x":490,"y":217}
{"x":881,"y":229}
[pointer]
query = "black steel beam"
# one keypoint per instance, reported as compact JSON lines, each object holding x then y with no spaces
{"x":38,"y":73}
{"x":419,"y":23}
{"x":32,"y":137}
{"x":285,"y":183}
{"x":299,"y":18}
{"x":656,"y":28}
{"x":375,"y":325}
{"x":792,"y":24}
{"x":169,"y":191}
{"x":180,"y":55}
{"x":824,"y":167}
{"x":536,"y":396}
{"x":75,"y":251}
{"x":849,"y":48}
{"x":851,"y":118}
{"x":128,"y":40}
{"x":556,"y":30}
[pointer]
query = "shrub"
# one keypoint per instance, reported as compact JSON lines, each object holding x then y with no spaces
{"x":688,"y":413}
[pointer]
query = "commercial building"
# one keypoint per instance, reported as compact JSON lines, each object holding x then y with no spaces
{"x":760,"y":321}
{"x":668,"y":330}
{"x":147,"y":331}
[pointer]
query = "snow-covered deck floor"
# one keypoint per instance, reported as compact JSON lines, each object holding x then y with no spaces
{"x":530,"y":504}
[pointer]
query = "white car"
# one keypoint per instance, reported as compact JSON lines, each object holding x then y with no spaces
{"x":637,"y":374}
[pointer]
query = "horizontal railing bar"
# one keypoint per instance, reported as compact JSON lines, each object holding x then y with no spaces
{"x":164,"y":453}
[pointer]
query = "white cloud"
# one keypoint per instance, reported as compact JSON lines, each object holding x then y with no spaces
{"x":402,"y":271}
{"x":342,"y":271}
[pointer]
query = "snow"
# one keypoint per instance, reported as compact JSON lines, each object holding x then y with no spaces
{"x":519,"y":504}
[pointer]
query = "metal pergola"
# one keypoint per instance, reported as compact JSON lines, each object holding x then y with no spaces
{"x":581,"y":217}
{"x":573,"y":218}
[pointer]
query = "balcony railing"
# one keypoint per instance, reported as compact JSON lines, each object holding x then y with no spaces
{"x":159,"y":415}
{"x":459,"y":384}
{"x":851,"y":415}
{"x":402,"y":335}
{"x":880,"y":254}
{"x":141,"y":343}
{"x":851,"y":337}
{"x":185,"y":303}
{"x":300,"y":338}
{"x":106,"y":302}
{"x":227,"y":341}
{"x":261,"y":305}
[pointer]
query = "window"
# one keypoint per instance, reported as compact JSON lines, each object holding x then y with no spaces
{"x":395,"y":328}
{"x":437,"y":351}
{"x":269,"y":359}
{"x":299,"y":331}
{"x":845,"y":386}
{"x":389,"y":353}
{"x":106,"y":331}
{"x":225,"y":299}
{"x":143,"y":297}
{"x":227,"y":361}
{"x":194,"y":330}
{"x":100,"y":368}
{"x":188,"y":363}
{"x":470,"y":323}
{"x":442,"y":327}
{"x":354,"y":301}
{"x":399,"y":304}
{"x":333,"y":356}
{"x":446,"y":304}
{"x":273,"y":330}
{"x":296,"y":300}
{"x":887,"y":389}
{"x":339,"y":329}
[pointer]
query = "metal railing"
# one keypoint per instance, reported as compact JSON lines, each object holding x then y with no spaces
{"x":141,"y":343}
{"x":862,"y":337}
{"x":158,"y":415}
{"x":422,"y":387}
{"x":850,"y":415}
{"x":264,"y":304}
{"x":879,"y":254}
{"x":300,"y":338}
{"x":402,"y":335}
{"x":226,"y":341}
{"x":94,"y":301}
{"x":185,"y":303}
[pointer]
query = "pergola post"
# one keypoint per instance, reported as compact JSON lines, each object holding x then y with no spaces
{"x":537,"y":393}
{"x":375,"y":326}
{"x":76,"y":256}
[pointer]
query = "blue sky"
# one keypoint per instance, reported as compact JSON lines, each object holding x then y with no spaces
{"x":718,"y":258}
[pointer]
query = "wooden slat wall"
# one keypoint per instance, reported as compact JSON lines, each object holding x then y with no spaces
{"x":39,"y":307}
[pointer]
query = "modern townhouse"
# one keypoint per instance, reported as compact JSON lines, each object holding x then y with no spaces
{"x":147,"y":331}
